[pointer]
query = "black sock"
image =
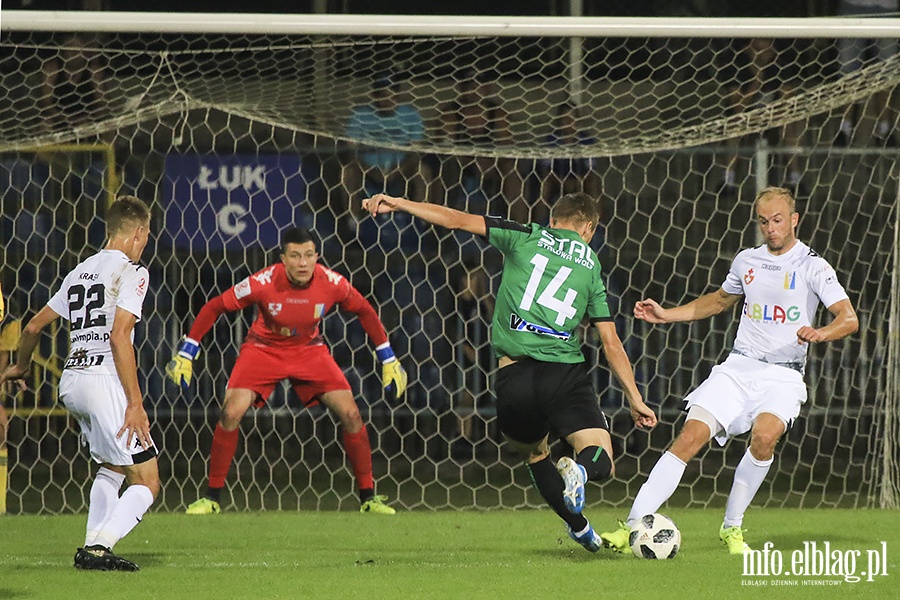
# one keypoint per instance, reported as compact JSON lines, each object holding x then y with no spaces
{"x":546,"y":479}
{"x":366,"y":494}
{"x":214,"y":494}
{"x":596,"y":462}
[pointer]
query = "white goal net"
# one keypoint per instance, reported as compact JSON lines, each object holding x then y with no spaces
{"x":233,"y":135}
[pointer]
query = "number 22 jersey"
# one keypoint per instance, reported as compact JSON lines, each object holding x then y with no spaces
{"x":88,"y":299}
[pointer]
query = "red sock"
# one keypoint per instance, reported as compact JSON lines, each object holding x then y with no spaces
{"x":224,"y":445}
{"x":358,"y":450}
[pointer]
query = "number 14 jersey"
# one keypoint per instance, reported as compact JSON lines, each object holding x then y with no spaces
{"x":88,"y":299}
{"x":551,"y":280}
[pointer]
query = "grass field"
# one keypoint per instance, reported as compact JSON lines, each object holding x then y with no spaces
{"x":424,"y":555}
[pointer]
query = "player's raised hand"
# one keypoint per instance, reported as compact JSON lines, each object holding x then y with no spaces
{"x":181,"y":367}
{"x":380,"y":204}
{"x":650,"y":311}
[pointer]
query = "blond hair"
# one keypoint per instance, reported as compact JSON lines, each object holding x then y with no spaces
{"x":776,"y":192}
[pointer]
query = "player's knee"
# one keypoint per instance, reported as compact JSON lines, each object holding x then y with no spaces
{"x":596,"y":462}
{"x":231,"y":416}
{"x":763,"y":447}
{"x":144,"y":477}
{"x":350,"y":418}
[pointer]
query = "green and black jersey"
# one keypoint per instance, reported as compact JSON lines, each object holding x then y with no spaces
{"x":551,"y":280}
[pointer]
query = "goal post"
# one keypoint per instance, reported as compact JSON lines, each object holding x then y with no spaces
{"x":235,"y":127}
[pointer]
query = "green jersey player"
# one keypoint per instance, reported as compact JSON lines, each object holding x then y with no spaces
{"x":551,"y":283}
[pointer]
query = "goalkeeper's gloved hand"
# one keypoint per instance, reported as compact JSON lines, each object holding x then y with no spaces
{"x":393,"y":375}
{"x":181,"y":367}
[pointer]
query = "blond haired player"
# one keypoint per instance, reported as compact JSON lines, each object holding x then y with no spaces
{"x":759,"y":388}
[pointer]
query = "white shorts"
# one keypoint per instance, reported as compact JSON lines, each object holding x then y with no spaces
{"x":740,"y":389}
{"x":98,"y":403}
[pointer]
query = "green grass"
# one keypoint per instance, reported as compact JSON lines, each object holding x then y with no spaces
{"x":424,"y":555}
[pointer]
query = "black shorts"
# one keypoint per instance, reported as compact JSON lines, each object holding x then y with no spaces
{"x":535,"y":398}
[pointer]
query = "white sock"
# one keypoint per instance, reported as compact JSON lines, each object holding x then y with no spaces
{"x":748,"y":476}
{"x":882,"y":128}
{"x":730,"y":177}
{"x":104,"y":495}
{"x":663,"y":480}
{"x":125,"y":515}
{"x":847,"y":126}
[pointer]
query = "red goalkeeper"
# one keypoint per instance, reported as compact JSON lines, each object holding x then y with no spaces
{"x":284,"y":342}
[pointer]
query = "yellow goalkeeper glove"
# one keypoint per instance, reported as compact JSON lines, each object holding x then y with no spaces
{"x":393,"y":378}
{"x":181,"y":367}
{"x":393,"y":375}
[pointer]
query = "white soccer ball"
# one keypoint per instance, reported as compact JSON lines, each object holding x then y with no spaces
{"x":656,"y":537}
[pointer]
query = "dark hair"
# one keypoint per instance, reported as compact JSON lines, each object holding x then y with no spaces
{"x":125,"y":211}
{"x":297,"y":235}
{"x":578,"y":207}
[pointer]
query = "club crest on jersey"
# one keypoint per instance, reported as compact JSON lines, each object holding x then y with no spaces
{"x":517,"y":323}
{"x":274,"y":308}
{"x":790,"y":280}
{"x":142,"y":287}
{"x":242,"y":288}
{"x":319,"y":311}
{"x":749,"y":276}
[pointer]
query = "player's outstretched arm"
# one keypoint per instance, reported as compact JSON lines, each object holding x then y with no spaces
{"x":701,"y":308}
{"x":617,"y":359}
{"x":27,"y":343}
{"x":180,"y":367}
{"x":435,"y":214}
{"x":845,"y":323}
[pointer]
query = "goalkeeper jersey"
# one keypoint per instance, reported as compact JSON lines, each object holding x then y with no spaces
{"x":551,"y":281}
{"x":288,"y":315}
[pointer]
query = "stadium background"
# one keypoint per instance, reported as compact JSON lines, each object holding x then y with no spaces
{"x":669,"y":234}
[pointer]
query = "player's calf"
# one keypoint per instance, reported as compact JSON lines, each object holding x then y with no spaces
{"x":596,"y":461}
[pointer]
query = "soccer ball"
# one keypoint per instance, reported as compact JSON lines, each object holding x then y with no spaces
{"x":655,"y":536}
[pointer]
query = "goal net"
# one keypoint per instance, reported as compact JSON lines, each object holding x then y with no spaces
{"x":235,"y":132}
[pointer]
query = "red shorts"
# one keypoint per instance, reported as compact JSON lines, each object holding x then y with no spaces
{"x":311,"y":370}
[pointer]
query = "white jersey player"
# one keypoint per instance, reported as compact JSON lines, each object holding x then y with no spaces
{"x":101,"y":299}
{"x":759,"y":387}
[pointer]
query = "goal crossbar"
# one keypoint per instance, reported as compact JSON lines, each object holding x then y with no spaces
{"x":374,"y":25}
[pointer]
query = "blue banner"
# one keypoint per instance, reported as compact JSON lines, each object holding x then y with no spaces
{"x":232,"y":201}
